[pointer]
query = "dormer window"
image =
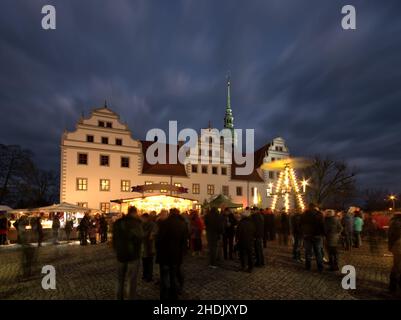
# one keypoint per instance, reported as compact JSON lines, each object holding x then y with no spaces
{"x":100,"y":123}
{"x":109,"y":124}
{"x":119,"y":142}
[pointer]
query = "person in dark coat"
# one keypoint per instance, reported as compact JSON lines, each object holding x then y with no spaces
{"x":103,"y":229}
{"x":37,"y":229}
{"x":150,"y":231}
{"x":228,"y":235}
{"x":69,"y":225}
{"x":92,"y":230}
{"x":297,"y":234}
{"x":83,"y":229}
{"x":258,"y":220}
{"x":269,"y":225}
{"x":171,"y":242}
{"x":313,"y":231}
{"x":3,"y":228}
{"x":284,"y":228}
{"x":196,"y":231}
{"x":55,"y":228}
{"x":127,"y":243}
{"x":214,"y":229}
{"x":245,"y":240}
{"x":348,"y":228}
{"x":332,"y":230}
{"x":394,"y":246}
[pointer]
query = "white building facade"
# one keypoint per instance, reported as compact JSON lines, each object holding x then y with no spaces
{"x":101,"y":162}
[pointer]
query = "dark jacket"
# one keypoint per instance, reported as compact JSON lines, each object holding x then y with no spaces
{"x":214,"y":223}
{"x":269,"y":222}
{"x":312,"y":224}
{"x":69,"y":225}
{"x":258,"y":221}
{"x":171,"y":240}
{"x":332,"y":229}
{"x":229,"y":223}
{"x":103,"y":226}
{"x":246,"y":233}
{"x":56,"y":223}
{"x":3,"y":223}
{"x":296,"y":224}
{"x":284,"y":223}
{"x":149,"y":229}
{"x":127,"y":238}
{"x":394,"y":231}
{"x":348,"y":223}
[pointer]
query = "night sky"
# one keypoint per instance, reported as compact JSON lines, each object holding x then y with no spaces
{"x":295,"y":73}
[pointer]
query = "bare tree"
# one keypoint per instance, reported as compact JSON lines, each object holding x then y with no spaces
{"x":12,"y":161}
{"x":375,"y":199}
{"x":331,"y":182}
{"x":22,"y":183}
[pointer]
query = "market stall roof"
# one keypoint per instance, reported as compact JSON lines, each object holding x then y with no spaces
{"x":62,"y":207}
{"x":221,"y":201}
{"x":5,"y":208}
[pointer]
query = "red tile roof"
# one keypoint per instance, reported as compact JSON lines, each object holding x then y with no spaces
{"x":161,"y":169}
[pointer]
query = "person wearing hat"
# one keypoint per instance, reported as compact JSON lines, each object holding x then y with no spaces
{"x":394,"y":246}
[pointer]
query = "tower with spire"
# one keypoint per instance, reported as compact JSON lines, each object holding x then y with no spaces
{"x":228,"y":117}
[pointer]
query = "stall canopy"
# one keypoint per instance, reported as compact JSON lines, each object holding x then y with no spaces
{"x":63,"y":207}
{"x":5,"y":208}
{"x":221,"y":201}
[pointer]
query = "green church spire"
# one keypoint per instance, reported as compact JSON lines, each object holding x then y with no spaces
{"x":228,"y":118}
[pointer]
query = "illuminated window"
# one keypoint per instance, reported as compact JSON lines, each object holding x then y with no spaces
{"x":82,"y":158}
{"x":82,"y":184}
{"x":210,"y":189}
{"x":195,"y":188}
{"x":163,"y":190}
{"x":124,"y":162}
{"x":82,"y":204}
{"x":125,"y":185}
{"x":105,"y":207}
{"x":239,"y":191}
{"x":224,"y":171}
{"x":104,"y":185}
{"x":104,"y":160}
{"x":225,"y":190}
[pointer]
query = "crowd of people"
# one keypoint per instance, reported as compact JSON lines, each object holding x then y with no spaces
{"x":166,"y":237}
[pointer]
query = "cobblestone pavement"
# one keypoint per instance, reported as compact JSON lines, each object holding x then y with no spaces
{"x":90,"y":273}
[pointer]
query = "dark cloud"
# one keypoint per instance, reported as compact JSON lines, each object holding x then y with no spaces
{"x":295,"y":73}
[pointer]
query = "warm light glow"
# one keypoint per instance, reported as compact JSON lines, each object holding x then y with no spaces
{"x":392,"y":197}
{"x":255,"y":196}
{"x":159,"y":202}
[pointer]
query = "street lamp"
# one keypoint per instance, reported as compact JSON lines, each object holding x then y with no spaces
{"x":393,"y":198}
